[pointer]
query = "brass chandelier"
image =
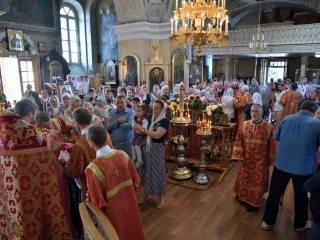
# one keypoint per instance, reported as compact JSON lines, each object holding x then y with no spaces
{"x":200,"y":23}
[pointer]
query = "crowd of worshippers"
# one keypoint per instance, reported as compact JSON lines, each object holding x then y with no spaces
{"x":83,"y":129}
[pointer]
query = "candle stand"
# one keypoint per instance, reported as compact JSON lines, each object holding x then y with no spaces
{"x":181,"y":171}
{"x":203,"y":132}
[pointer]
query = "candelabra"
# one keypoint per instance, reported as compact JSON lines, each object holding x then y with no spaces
{"x":203,"y":132}
{"x":258,"y":44}
{"x":181,"y":117}
{"x":181,"y":172}
{"x":193,"y":15}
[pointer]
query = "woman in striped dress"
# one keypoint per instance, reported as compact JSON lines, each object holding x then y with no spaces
{"x":154,"y":178}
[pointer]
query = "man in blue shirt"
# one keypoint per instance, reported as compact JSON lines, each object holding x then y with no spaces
{"x":120,"y":123}
{"x":296,"y":159}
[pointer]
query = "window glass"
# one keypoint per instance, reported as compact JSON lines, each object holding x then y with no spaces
{"x":63,"y":22}
{"x":69,"y":34}
{"x":74,"y":57}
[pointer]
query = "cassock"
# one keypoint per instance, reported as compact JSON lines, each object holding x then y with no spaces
{"x":290,"y":100}
{"x":112,"y":180}
{"x":240,"y":103}
{"x":255,"y":147}
{"x":31,"y":200}
{"x":81,"y":156}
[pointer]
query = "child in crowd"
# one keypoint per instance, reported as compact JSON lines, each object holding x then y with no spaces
{"x":139,"y":140}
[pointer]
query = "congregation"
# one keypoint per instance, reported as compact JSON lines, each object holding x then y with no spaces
{"x":109,"y":142}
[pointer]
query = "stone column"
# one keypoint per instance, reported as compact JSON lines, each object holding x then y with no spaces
{"x":235,"y":66}
{"x":188,"y":62}
{"x":263,"y":70}
{"x":226,"y":68}
{"x":304,"y":64}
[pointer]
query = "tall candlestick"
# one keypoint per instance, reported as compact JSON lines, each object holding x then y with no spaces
{"x":171,"y":25}
{"x":227,"y":25}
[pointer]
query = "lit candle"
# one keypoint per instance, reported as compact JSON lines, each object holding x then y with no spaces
{"x":262,"y":37}
{"x":176,"y":25}
{"x":185,"y":26}
{"x":176,"y":3}
{"x":171,"y":25}
{"x":227,"y":25}
{"x":253,"y":37}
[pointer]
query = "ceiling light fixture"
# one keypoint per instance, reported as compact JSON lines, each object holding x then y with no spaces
{"x":193,"y":16}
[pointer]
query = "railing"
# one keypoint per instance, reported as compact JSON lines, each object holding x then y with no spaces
{"x":279,"y":37}
{"x":277,"y":34}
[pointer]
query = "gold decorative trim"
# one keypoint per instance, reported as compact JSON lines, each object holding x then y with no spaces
{"x":238,"y":149}
{"x":96,"y":170}
{"x":118,"y":188}
{"x":254,"y":141}
{"x":25,"y":151}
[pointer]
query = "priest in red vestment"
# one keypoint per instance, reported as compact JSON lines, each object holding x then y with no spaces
{"x":112,"y":180}
{"x":291,"y":100}
{"x":241,"y":101}
{"x":31,"y":201}
{"x":255,"y":147}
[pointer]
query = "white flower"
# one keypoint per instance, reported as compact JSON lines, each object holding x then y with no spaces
{"x":209,"y":113}
{"x":203,"y":99}
{"x":178,"y":99}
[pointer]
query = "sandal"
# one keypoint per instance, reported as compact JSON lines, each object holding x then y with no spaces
{"x":144,"y":199}
{"x":160,"y":203}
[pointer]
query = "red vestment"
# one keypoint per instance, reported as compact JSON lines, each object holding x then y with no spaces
{"x":290,"y":100}
{"x":81,"y":156}
{"x":255,"y":147}
{"x":111,"y":181}
{"x":31,"y":201}
{"x":240,"y":103}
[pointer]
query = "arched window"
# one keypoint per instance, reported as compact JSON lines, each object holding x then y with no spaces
{"x":70,"y":34}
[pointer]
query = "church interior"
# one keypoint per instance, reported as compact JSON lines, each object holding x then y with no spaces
{"x":118,"y":43}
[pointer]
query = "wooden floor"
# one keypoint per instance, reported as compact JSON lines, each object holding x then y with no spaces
{"x":214,"y":214}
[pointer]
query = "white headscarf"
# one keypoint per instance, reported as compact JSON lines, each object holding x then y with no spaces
{"x":161,"y":116}
{"x":55,"y":110}
{"x":257,"y":99}
{"x":163,"y":88}
{"x":229,"y":92}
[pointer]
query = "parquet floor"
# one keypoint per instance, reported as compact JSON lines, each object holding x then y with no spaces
{"x":214,"y":214}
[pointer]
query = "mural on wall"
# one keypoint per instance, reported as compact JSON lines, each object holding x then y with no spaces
{"x":34,"y":12}
{"x":195,"y":73}
{"x":157,"y":10}
{"x":107,"y":18}
{"x":130,"y":71}
{"x":156,"y":76}
{"x":178,"y":67}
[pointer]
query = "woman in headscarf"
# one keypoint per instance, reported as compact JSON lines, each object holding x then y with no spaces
{"x":165,"y":90}
{"x":74,"y":104}
{"x":256,"y":99}
{"x":154,"y":176}
{"x":146,"y":97}
{"x":54,"y":104}
{"x":227,"y":101}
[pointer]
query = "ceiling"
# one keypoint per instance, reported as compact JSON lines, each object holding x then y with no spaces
{"x":241,"y":9}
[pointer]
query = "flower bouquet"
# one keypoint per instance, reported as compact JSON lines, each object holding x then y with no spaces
{"x":196,"y":104}
{"x":213,"y":154}
{"x":216,"y":111}
{"x":174,"y":106}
